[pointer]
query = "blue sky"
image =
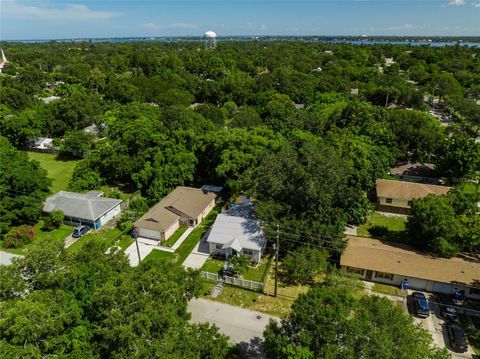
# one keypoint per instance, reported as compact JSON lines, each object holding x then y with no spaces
{"x":24,"y":19}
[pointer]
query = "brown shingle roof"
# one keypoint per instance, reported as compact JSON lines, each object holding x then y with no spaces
{"x":182,"y":200}
{"x":407,"y":190}
{"x":376,"y":255}
{"x":188,"y":200}
{"x":157,"y":218}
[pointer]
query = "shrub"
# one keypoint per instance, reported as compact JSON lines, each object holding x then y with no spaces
{"x":303,"y":265}
{"x":239,"y":264}
{"x":53,"y":220}
{"x":18,"y":237}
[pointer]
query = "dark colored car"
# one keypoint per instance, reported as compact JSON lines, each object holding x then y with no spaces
{"x":456,"y":335}
{"x":447,"y":308}
{"x":422,"y":309}
{"x":80,"y":231}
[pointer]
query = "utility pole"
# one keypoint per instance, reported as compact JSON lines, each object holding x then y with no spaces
{"x":276,"y":262}
{"x":138,"y":249}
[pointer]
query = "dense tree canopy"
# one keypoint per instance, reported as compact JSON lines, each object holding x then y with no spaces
{"x":90,"y":304}
{"x":305,"y":127}
{"x":23,"y":187}
{"x":446,"y":224}
{"x":330,"y":322}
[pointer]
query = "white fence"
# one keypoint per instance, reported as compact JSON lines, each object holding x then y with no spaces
{"x":239,"y":282}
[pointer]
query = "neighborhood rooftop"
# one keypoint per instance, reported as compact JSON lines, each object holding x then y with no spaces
{"x":182,"y":200}
{"x":413,"y":169}
{"x":237,"y":233}
{"x":407,"y":190}
{"x":380,"y":256}
{"x":88,"y":206}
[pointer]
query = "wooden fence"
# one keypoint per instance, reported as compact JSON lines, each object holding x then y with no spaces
{"x":239,"y":282}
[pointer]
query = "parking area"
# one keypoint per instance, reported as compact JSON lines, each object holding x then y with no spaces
{"x":435,"y":324}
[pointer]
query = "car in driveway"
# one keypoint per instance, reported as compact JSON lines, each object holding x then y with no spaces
{"x":80,"y":231}
{"x":422,"y":309}
{"x":447,"y":308}
{"x":456,"y":337}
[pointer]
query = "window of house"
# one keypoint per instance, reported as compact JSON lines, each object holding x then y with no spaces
{"x":247,"y":252}
{"x":475,"y":291}
{"x":388,"y":200}
{"x":353,"y":270}
{"x":218,"y":246}
{"x":383,"y":275}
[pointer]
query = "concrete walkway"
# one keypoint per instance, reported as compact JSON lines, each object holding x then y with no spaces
{"x":6,"y":258}
{"x":182,"y":238}
{"x":69,"y":240}
{"x":244,"y":327}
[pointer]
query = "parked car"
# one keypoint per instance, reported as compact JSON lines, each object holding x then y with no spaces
{"x":80,"y":231}
{"x":456,"y":336}
{"x":422,"y":309}
{"x":447,"y":308}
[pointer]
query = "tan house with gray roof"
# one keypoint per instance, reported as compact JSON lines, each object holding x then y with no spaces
{"x":395,"y":196}
{"x":185,"y":206}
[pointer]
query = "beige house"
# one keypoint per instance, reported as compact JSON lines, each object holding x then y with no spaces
{"x":185,"y":206}
{"x":395,"y":196}
{"x":391,"y":263}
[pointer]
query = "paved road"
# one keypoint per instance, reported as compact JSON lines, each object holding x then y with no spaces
{"x":6,"y":258}
{"x":244,"y":327}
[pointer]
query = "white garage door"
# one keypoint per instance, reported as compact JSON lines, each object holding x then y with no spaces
{"x":149,"y":233}
{"x":441,"y":287}
{"x":415,"y":283}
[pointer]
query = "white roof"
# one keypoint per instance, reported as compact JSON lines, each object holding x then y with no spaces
{"x":85,"y":206}
{"x":42,"y":142}
{"x":237,"y":233}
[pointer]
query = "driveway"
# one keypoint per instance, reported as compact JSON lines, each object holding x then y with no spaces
{"x":435,"y":324}
{"x":6,"y":258}
{"x":199,"y":255}
{"x":145,"y":246}
{"x":243,"y":326}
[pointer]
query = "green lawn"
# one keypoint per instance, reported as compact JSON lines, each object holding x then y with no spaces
{"x":388,"y":289}
{"x":256,"y":273}
{"x":59,"y":170}
{"x":124,"y":241}
{"x":171,"y":241}
{"x":390,"y":228}
{"x":109,"y":237}
{"x":212,"y":265}
{"x":469,"y":188}
{"x":59,"y":233}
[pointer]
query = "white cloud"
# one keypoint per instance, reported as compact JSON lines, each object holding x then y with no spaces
{"x":476,"y":4}
{"x":457,"y":2}
{"x":263,"y":27}
{"x":401,"y":27}
{"x":158,"y":27}
{"x":12,"y":9}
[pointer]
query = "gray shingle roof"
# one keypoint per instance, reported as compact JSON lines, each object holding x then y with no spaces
{"x":233,"y":231}
{"x":79,"y":205}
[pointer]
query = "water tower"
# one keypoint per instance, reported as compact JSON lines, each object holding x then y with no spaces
{"x":210,"y":40}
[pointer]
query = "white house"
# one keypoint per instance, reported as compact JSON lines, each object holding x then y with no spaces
{"x":42,"y":143}
{"x":89,"y":208}
{"x":232,"y":235}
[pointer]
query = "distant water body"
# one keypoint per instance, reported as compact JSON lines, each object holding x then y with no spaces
{"x":299,"y":39}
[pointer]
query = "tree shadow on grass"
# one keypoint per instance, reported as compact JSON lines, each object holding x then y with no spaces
{"x":385,"y":234}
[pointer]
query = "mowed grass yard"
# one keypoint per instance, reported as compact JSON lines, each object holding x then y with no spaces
{"x":389,"y":228}
{"x":59,"y":170}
